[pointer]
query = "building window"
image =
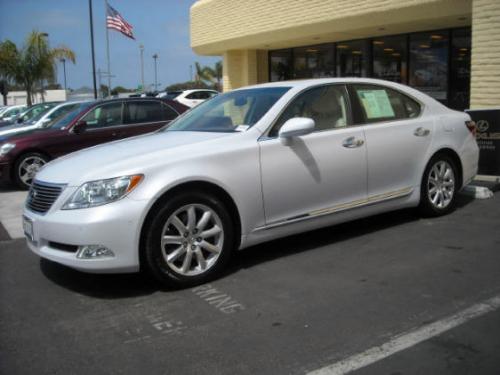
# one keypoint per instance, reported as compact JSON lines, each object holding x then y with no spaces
{"x":352,"y":58}
{"x":390,"y":60}
{"x":314,"y":61}
{"x":436,"y":63}
{"x":460,"y":69}
{"x":429,"y":63}
{"x":280,"y":65}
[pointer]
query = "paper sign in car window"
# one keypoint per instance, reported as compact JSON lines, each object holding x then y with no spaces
{"x":376,"y":103}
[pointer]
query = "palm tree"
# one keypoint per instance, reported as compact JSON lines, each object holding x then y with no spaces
{"x":34,"y":63}
{"x":209,"y":74}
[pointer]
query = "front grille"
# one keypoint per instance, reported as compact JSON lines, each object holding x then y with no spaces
{"x":42,"y":195}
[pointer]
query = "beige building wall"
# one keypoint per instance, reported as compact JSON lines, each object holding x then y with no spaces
{"x":243,"y":31}
{"x":485,"y":59}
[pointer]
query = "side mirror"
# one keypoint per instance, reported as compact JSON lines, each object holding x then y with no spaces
{"x":80,"y":127}
{"x":296,"y":127}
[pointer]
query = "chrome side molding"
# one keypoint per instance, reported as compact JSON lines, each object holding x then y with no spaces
{"x":340,"y":207}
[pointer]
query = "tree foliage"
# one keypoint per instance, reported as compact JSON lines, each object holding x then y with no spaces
{"x":210,"y":75}
{"x":31,"y":64}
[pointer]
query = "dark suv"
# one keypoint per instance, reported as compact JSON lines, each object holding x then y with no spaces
{"x":91,"y":123}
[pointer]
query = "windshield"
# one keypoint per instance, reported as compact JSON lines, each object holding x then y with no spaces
{"x":233,"y":111}
{"x":67,"y":117}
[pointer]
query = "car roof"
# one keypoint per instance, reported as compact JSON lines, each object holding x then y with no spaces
{"x":298,"y":85}
{"x":194,"y":90}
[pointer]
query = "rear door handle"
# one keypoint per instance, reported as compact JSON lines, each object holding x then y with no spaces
{"x":352,"y":142}
{"x":421,"y":132}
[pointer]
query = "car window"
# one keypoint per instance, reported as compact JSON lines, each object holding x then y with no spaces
{"x":105,"y":115}
{"x":143,"y":112}
{"x":204,"y":95}
{"x":233,"y":111}
{"x":193,"y":95}
{"x":326,"y":105}
{"x":173,"y":94}
{"x":168,"y":112}
{"x":60,"y":111}
{"x":384,"y":104}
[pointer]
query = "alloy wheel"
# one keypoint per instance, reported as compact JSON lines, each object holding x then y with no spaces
{"x":441,"y":184}
{"x":29,"y":168}
{"x":192,"y":239}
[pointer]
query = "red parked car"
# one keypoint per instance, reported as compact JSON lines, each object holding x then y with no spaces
{"x":91,"y":123}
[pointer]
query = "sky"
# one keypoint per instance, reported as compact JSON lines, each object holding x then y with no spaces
{"x":162,"y":26}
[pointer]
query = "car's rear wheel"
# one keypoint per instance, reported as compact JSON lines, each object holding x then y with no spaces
{"x":439,"y":186}
{"x":189,"y":240}
{"x":26,"y":167}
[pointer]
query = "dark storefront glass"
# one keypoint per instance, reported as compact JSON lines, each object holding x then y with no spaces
{"x":352,"y":58}
{"x":460,"y":69}
{"x":436,"y":63}
{"x":429,"y":64}
{"x":281,"y":65}
{"x":314,"y":61}
{"x":390,"y":59}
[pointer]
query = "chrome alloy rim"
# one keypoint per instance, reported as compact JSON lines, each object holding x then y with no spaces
{"x":192,"y":239}
{"x":441,"y":184}
{"x":29,"y":168}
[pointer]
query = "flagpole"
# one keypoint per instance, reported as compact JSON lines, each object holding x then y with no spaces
{"x":92,"y":47}
{"x":107,"y":48}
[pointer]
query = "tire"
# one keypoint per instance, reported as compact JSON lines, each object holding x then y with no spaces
{"x":26,"y":167}
{"x":439,"y":186}
{"x":205,"y":250}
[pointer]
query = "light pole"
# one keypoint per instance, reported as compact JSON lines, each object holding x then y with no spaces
{"x":155,"y":57}
{"x":64,"y":70}
{"x":141,"y":48}
{"x":45,"y":35}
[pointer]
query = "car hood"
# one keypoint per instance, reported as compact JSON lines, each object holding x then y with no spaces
{"x":124,"y":157}
{"x":9,"y":130}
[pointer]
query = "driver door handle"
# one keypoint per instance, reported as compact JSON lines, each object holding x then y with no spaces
{"x":421,"y":132}
{"x":352,"y":142}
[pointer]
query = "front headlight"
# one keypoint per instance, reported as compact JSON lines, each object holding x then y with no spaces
{"x":6,"y":147}
{"x":97,"y":193}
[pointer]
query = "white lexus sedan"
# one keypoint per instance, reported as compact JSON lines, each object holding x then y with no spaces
{"x":248,"y":166}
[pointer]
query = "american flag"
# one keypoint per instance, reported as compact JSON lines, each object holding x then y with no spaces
{"x":115,"y":21}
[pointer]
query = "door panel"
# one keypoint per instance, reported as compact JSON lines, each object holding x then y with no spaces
{"x":395,"y":154}
{"x":312,"y":172}
{"x":397,"y":137}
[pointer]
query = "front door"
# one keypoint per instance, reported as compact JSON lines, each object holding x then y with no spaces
{"x":318,"y":172}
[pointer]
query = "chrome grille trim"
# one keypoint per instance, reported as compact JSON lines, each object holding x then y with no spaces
{"x":42,"y":196}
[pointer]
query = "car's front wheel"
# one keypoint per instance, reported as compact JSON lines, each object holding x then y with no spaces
{"x":26,"y":167}
{"x":439,"y":186}
{"x":189,"y":240}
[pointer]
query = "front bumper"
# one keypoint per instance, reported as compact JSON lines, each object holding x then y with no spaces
{"x":116,"y":226}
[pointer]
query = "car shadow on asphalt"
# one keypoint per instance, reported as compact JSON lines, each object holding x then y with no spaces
{"x":111,"y":286}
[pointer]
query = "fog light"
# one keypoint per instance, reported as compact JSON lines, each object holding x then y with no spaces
{"x":94,"y":251}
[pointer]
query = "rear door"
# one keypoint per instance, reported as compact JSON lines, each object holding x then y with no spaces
{"x":144,"y":116}
{"x":397,"y":138}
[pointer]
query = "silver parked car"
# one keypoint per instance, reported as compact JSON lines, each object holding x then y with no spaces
{"x":245,"y":167}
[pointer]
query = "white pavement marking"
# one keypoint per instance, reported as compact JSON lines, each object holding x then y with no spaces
{"x":408,"y":339}
{"x":11,"y":209}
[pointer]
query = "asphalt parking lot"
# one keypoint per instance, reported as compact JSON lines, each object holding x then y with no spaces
{"x":291,"y":306}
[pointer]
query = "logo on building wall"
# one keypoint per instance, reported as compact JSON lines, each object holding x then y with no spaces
{"x":482,"y":125}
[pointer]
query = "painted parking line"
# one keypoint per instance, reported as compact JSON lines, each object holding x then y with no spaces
{"x":408,"y":339}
